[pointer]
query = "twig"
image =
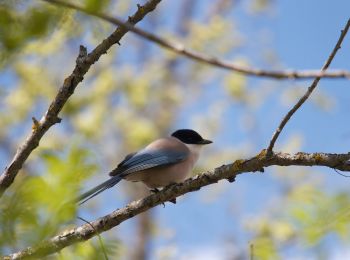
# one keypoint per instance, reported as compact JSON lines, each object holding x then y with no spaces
{"x":309,"y":90}
{"x":251,"y":251}
{"x":341,"y":174}
{"x":180,"y":49}
{"x":85,"y":232}
{"x":99,"y":237}
{"x":83,"y":63}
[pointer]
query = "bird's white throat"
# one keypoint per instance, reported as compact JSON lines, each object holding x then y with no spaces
{"x":195,"y":150}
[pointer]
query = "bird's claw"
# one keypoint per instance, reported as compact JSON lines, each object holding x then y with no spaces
{"x":155,"y":190}
{"x":173,"y":200}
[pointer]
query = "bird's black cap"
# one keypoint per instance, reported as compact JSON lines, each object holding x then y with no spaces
{"x":189,"y":136}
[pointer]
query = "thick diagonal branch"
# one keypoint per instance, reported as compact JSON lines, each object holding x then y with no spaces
{"x":83,"y":64}
{"x":180,"y":49}
{"x":229,"y":172}
{"x":309,"y":90}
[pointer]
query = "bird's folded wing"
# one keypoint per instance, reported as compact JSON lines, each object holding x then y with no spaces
{"x":144,"y":160}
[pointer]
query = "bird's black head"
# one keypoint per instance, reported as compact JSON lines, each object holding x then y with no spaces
{"x":189,"y":136}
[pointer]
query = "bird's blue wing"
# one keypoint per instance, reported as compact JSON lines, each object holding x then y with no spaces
{"x":146,"y":159}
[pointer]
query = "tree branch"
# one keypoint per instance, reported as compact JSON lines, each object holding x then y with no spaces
{"x":83,"y":64}
{"x":180,"y":49}
{"x":309,"y":90}
{"x":229,"y":172}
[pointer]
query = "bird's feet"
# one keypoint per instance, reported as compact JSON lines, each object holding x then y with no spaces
{"x":155,"y":190}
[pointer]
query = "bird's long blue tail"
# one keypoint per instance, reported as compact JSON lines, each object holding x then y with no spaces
{"x":98,"y":189}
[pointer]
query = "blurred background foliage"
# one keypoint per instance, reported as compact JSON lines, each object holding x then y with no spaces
{"x":133,"y":94}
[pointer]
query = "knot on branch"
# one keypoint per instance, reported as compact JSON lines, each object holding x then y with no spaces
{"x":81,"y":59}
{"x":82,"y":55}
{"x":35,"y":124}
{"x":140,"y":8}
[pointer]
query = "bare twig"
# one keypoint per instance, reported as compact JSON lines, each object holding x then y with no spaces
{"x":143,"y":229}
{"x":251,"y":251}
{"x":180,"y":49}
{"x":309,"y":90}
{"x":99,"y":238}
{"x":229,"y":172}
{"x":83,"y":63}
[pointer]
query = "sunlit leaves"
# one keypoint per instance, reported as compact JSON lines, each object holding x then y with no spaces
{"x":259,"y":6}
{"x":235,"y":85}
{"x":264,"y":249}
{"x":138,"y":131}
{"x":20,"y":23}
{"x":270,"y":236}
{"x":138,"y":92}
{"x":92,"y":250}
{"x":319,"y":98}
{"x":317,"y":213}
{"x":95,"y":5}
{"x":309,"y":215}
{"x":208,"y":36}
{"x":33,"y":84}
{"x":39,"y":202}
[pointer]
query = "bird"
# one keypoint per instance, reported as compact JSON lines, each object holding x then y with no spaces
{"x":163,"y":162}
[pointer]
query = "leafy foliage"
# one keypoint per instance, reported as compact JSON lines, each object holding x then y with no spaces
{"x":40,"y":200}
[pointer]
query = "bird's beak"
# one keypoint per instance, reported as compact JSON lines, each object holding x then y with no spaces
{"x":204,"y":141}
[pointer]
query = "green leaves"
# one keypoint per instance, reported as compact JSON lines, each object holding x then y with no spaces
{"x":20,"y":23}
{"x":39,"y":202}
{"x":235,"y":85}
{"x":96,"y":5}
{"x":308,"y":216}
